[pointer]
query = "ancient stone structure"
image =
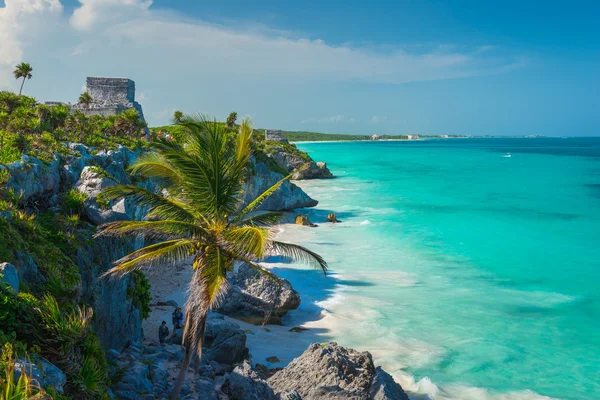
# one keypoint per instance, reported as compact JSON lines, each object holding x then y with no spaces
{"x":110,"y":96}
{"x":275,"y":136}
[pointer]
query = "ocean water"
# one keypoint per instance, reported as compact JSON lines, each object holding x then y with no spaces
{"x":467,"y":274}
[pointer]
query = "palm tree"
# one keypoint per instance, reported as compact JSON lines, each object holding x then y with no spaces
{"x":231,"y":120}
{"x":23,"y":70}
{"x":177,"y":115}
{"x":85,"y":99}
{"x":200,"y":217}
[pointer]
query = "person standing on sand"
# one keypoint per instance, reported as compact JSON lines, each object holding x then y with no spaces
{"x":177,"y":318}
{"x":163,"y":332}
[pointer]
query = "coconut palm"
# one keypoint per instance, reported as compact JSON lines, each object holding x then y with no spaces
{"x":23,"y":70}
{"x":85,"y":99}
{"x":177,"y":115}
{"x":201,"y":218}
{"x":231,"y":120}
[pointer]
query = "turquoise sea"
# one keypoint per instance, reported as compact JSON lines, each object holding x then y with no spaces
{"x":468,"y":274}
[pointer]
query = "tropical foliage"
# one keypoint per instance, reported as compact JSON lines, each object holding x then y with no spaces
{"x":200,"y":219}
{"x":177,"y":115}
{"x":40,"y":130}
{"x":85,"y":99}
{"x":23,"y":71}
{"x":231,"y":119}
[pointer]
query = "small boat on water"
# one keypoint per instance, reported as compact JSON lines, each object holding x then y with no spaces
{"x":507,"y":155}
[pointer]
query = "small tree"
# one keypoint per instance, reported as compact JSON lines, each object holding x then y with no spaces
{"x":22,"y":70}
{"x":85,"y":99}
{"x":177,"y":115}
{"x":231,"y":120}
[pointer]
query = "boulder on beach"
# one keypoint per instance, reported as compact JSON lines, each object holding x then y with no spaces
{"x":252,"y":294}
{"x":329,"y":371}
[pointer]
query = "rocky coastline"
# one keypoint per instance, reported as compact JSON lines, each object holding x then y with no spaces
{"x":139,"y":368}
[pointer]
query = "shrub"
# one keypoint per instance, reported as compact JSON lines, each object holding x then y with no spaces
{"x":139,"y":293}
{"x":74,"y":201}
{"x":23,"y":388}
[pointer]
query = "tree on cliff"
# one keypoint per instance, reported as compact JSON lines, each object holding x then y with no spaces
{"x":85,"y":99}
{"x":200,"y":219}
{"x":231,"y":120}
{"x":177,"y":115}
{"x":23,"y":70}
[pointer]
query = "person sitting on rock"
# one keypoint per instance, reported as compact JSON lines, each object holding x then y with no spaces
{"x":163,"y":332}
{"x":177,"y":318}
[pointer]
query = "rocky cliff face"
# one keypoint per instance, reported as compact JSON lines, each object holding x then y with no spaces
{"x":117,"y":321}
{"x":287,"y":197}
{"x":290,"y":162}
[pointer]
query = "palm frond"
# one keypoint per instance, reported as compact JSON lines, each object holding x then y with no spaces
{"x":264,"y":219}
{"x":170,"y":252}
{"x":247,"y":242}
{"x":299,"y":253}
{"x":155,"y":165}
{"x":153,"y":230}
{"x":242,"y":149}
{"x":160,"y":206}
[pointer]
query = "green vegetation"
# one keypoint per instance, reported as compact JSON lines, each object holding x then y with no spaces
{"x":40,"y":130}
{"x":61,"y":335}
{"x":203,"y":176}
{"x":177,"y":115}
{"x":304,"y":136}
{"x":24,"y":71}
{"x":21,"y":389}
{"x":102,"y":173}
{"x":74,"y":201}
{"x":85,"y":99}
{"x":140,"y":293}
{"x":231,"y":119}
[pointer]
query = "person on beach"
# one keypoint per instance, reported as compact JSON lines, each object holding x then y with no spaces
{"x":163,"y":332}
{"x":177,"y":318}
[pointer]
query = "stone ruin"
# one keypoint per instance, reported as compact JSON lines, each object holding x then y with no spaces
{"x":110,"y":96}
{"x":275,"y":136}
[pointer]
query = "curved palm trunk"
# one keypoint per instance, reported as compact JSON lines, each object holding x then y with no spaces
{"x":22,"y":83}
{"x":189,"y":354}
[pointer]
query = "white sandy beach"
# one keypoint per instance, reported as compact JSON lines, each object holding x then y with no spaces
{"x":171,"y":283}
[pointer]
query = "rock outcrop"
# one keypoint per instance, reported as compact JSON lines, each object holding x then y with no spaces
{"x":303,"y":220}
{"x":245,"y":384}
{"x":329,"y":371}
{"x":291,"y":162}
{"x":252,"y":295}
{"x":117,"y":321}
{"x":287,"y":197}
{"x":9,"y":275}
{"x":44,"y":373}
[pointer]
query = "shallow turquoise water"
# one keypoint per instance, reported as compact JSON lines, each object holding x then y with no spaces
{"x":463,"y":267}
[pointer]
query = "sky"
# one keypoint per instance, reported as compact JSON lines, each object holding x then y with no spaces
{"x":361,"y":67}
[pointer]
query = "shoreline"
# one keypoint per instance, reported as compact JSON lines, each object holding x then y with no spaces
{"x":315,"y":314}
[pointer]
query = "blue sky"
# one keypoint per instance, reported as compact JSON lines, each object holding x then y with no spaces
{"x":430,"y":67}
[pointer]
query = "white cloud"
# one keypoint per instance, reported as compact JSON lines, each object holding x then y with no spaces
{"x":93,"y":13}
{"x":375,"y":119}
{"x":19,"y":20}
{"x":176,"y":59}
